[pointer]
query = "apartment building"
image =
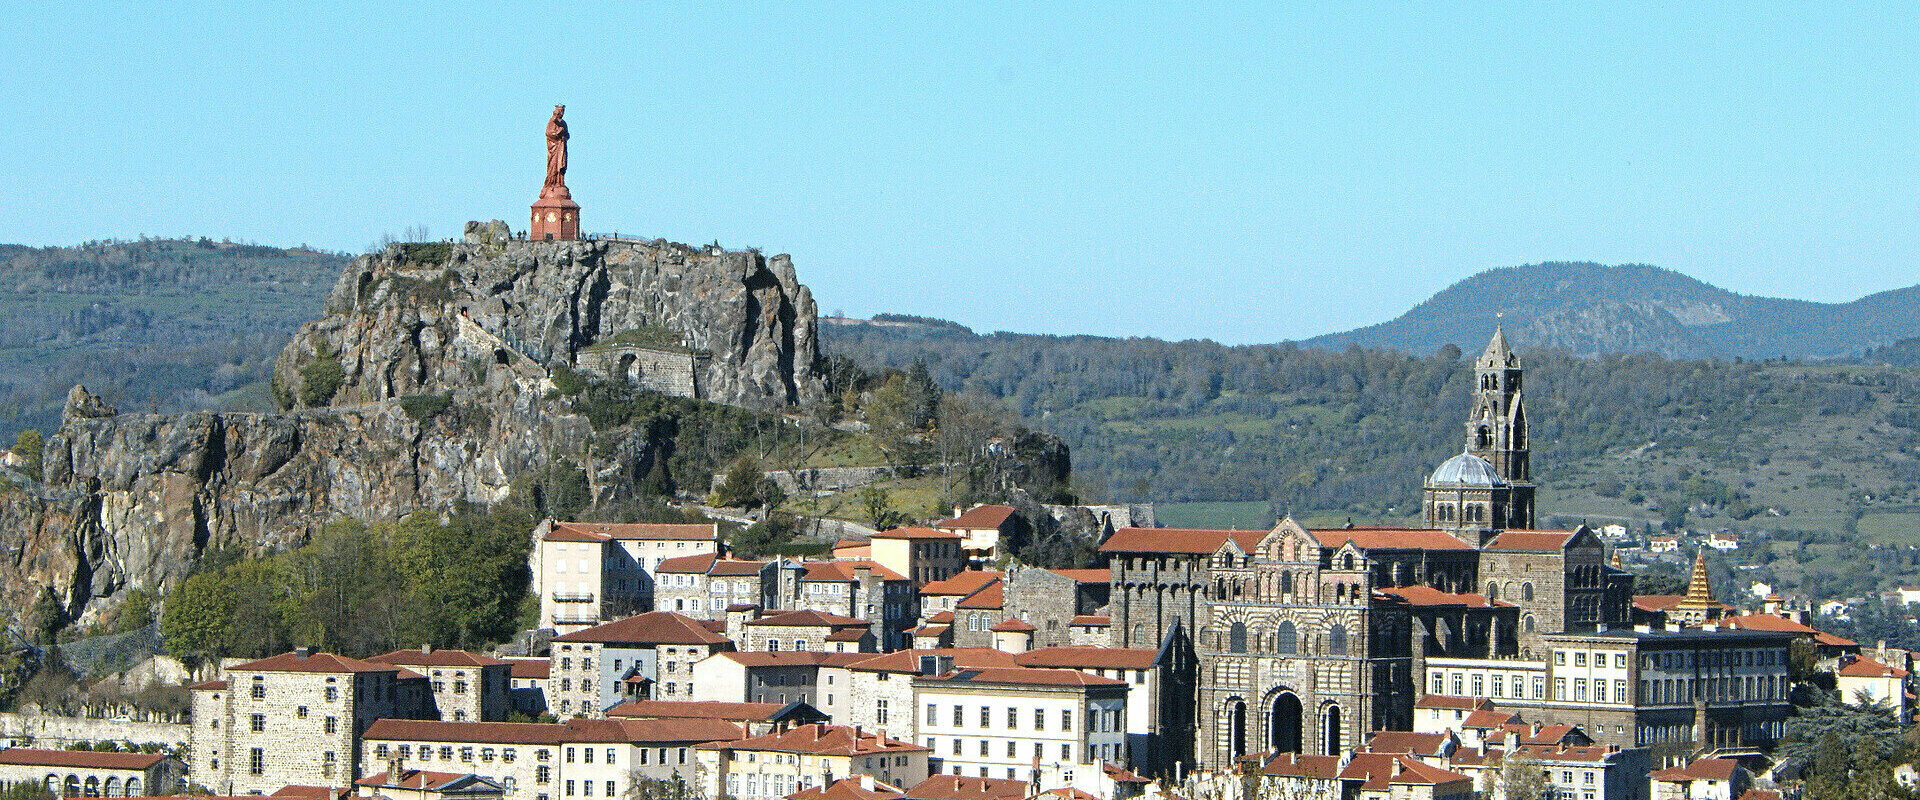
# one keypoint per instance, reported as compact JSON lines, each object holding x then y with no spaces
{"x":863,"y":590}
{"x":292,"y":719}
{"x":1160,"y":696}
{"x":780,"y":764}
{"x":549,"y":761}
{"x":463,"y":686}
{"x":1049,"y":727}
{"x":924,"y":555}
{"x":704,"y":586}
{"x":783,"y":677}
{"x":586,"y":573}
{"x":806,"y":630}
{"x":878,"y":692}
{"x":982,"y":529}
{"x":644,"y":656}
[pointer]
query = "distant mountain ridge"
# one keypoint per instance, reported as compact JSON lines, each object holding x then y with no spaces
{"x":1593,"y":309}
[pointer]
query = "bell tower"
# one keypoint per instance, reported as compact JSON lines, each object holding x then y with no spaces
{"x":1497,"y":425}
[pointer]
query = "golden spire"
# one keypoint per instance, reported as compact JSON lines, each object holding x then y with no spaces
{"x":1699,"y":592}
{"x":1616,"y":562}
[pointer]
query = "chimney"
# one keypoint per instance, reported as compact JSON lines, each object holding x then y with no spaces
{"x":426,"y":649}
{"x":866,"y":783}
{"x":302,"y":652}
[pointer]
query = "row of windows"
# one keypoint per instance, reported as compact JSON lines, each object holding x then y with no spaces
{"x":1714,"y":658}
{"x":1480,"y":682}
{"x":1683,"y":690}
{"x":1284,"y":639}
{"x":1012,"y":717}
{"x":1599,"y":659}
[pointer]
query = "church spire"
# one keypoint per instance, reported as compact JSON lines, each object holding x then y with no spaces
{"x":1497,"y":426}
{"x":1497,"y":353}
{"x":1699,"y":600}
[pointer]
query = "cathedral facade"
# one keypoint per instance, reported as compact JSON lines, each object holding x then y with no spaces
{"x":1308,"y":638}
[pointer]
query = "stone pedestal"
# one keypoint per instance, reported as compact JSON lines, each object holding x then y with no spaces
{"x":555,"y":218}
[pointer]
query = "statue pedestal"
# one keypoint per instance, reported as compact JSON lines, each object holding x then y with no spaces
{"x":556,"y":218}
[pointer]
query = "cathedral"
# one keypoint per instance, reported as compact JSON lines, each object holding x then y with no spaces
{"x":1308,"y":638}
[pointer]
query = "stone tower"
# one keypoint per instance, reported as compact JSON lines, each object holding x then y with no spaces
{"x":1497,"y":426}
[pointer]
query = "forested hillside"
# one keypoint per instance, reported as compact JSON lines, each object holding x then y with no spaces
{"x":1590,"y":309}
{"x":1773,"y":446}
{"x":159,"y":324}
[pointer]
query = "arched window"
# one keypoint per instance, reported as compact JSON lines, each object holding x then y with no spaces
{"x":1237,"y":638}
{"x":1493,"y":590}
{"x":1527,"y":623}
{"x":1286,"y":583}
{"x":1346,"y":561}
{"x":1482,"y":438}
{"x":133,"y":787}
{"x":1285,"y":638}
{"x":1526,"y":593}
{"x":1337,"y":640}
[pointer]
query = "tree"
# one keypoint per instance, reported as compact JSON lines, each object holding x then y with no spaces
{"x":196,"y":619}
{"x":1520,"y":777}
{"x":878,"y":506}
{"x":30,"y":448}
{"x":740,"y":487}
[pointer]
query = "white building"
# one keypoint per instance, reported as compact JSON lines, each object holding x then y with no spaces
{"x":1049,"y":727}
{"x":780,"y":764}
{"x":549,"y":761}
{"x":590,"y":572}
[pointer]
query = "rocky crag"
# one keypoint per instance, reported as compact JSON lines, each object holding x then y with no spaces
{"x":429,"y":380}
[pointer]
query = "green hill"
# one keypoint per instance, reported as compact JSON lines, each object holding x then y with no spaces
{"x":1822,"y":455}
{"x":1589,"y":309}
{"x":156,"y":324}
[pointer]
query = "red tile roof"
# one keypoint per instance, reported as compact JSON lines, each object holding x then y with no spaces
{"x":1531,"y":541}
{"x":1089,"y":657}
{"x":697,"y":564}
{"x":1026,"y":676}
{"x":1461,"y":703}
{"x":990,"y":596}
{"x":941,"y":618}
{"x":980,"y":517}
{"x":532,"y":668}
{"x":839,"y":571}
{"x":819,"y":619}
{"x":1426,"y":744}
{"x":696,"y":709}
{"x":1864,"y":667}
{"x":964,"y":787}
{"x":961,"y":584}
{"x":735,"y":568}
{"x":1715,"y":769}
{"x":651,"y":628}
{"x":77,"y":759}
{"x":821,"y":739}
{"x":908,"y":661}
{"x":1775,"y":622}
{"x":208,"y":685}
{"x":605,"y":531}
{"x":1183,"y":541}
{"x":917,"y":533}
{"x":1015,"y":625}
{"x":1429,"y":597}
{"x":1488,"y":719}
{"x":292,"y":661}
{"x":795,"y":658}
{"x":1086,"y":575}
{"x":413,"y":779}
{"x":1390,"y":539}
{"x":863,"y":787}
{"x":574,"y":730}
{"x":437,"y":658}
{"x":1091,"y":621}
{"x":1380,"y":771}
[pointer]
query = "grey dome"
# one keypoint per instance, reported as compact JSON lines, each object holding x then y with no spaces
{"x":1466,"y":469}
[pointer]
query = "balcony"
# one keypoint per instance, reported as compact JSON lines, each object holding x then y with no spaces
{"x":574,"y":619}
{"x":573,"y":597}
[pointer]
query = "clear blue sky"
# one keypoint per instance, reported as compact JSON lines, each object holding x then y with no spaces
{"x":1236,"y":172}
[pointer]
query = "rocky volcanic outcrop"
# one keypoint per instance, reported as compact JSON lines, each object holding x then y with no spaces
{"x":475,"y":328}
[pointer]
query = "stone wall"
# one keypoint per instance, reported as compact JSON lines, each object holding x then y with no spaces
{"x":669,"y":372}
{"x":54,"y":732}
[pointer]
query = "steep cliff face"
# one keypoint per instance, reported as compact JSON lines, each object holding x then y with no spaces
{"x":425,"y":384}
{"x":430,"y":318}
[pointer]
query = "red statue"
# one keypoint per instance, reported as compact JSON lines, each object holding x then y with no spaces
{"x":556,"y":155}
{"x":555,"y":215}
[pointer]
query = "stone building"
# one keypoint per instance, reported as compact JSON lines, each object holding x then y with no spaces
{"x":861,"y":589}
{"x":803,"y":631}
{"x":548,"y":761}
{"x":79,"y":773}
{"x":780,"y":764}
{"x":464,"y":686}
{"x":586,"y":573}
{"x":704,"y":586}
{"x":982,"y":529}
{"x":292,"y":719}
{"x":648,"y":655}
{"x":651,"y":360}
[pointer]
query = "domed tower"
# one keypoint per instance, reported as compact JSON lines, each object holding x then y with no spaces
{"x":1497,"y":427}
{"x":1467,"y":493}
